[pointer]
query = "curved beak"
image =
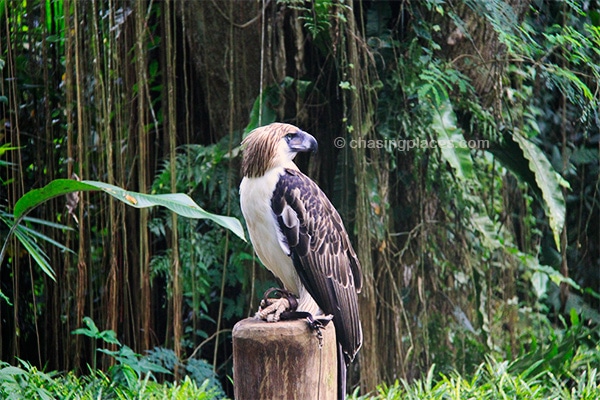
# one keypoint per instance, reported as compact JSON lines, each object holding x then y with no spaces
{"x":303,"y":142}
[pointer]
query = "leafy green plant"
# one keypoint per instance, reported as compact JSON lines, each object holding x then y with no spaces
{"x":27,"y":382}
{"x":4,"y":148}
{"x":177,"y":202}
{"x":131,"y":367}
{"x":491,"y":380}
{"x":29,"y":238}
{"x":477,"y":224}
{"x":197,"y":370}
{"x":564,"y":353}
{"x":134,"y":371}
{"x":560,"y":364}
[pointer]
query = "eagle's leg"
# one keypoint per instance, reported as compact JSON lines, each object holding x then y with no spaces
{"x":284,"y":307}
{"x":316,"y":324}
{"x":272,"y":309}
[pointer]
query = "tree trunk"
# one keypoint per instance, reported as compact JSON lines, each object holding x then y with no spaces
{"x":283,"y":360}
{"x":214,"y":30}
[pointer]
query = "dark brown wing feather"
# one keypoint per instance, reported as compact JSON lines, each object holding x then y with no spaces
{"x":321,"y":253}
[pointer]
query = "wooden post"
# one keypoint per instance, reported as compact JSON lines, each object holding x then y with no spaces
{"x":283,"y":360}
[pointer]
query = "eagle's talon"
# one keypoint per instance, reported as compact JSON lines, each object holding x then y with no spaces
{"x":270,"y":309}
{"x":316,"y":324}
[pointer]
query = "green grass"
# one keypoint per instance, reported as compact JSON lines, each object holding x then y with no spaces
{"x":564,"y":364}
{"x":492,"y":380}
{"x":27,"y":382}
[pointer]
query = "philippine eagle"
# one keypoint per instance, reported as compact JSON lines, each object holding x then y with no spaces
{"x":299,"y":236}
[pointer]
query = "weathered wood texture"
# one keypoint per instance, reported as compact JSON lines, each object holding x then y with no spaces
{"x":282,"y":360}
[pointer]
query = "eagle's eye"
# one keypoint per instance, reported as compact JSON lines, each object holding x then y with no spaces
{"x":289,"y":137}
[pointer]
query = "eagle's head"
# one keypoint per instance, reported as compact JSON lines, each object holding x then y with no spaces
{"x":273,"y":146}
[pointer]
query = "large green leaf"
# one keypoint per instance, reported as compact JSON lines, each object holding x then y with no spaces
{"x":28,"y":238}
{"x":451,"y":141}
{"x":179,"y":203}
{"x":36,"y":252}
{"x":548,"y":181}
{"x":510,"y":155}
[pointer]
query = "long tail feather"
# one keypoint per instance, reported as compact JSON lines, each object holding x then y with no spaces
{"x":342,"y":368}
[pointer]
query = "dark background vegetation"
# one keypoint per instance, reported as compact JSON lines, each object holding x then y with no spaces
{"x":468,"y":253}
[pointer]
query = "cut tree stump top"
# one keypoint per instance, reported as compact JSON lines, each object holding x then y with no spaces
{"x":283,"y":360}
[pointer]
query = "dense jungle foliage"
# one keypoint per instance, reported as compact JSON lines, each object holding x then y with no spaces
{"x":459,"y":139}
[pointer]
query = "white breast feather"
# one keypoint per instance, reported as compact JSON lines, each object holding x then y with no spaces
{"x":267,"y":239}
